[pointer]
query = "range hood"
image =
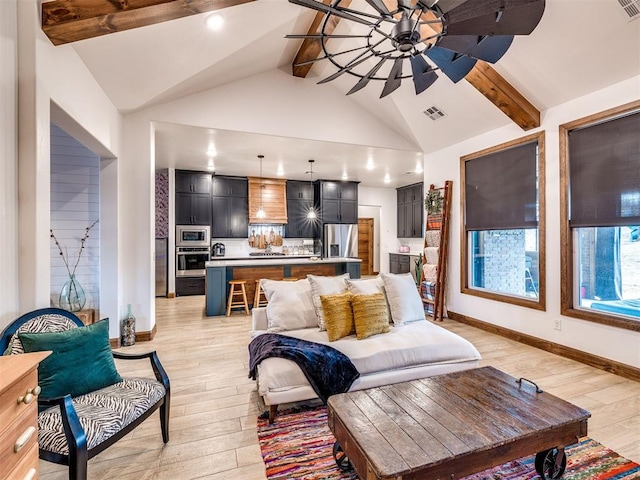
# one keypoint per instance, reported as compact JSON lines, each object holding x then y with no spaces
{"x":271,"y":193}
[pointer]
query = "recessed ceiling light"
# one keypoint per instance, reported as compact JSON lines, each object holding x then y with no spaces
{"x":280,"y":171}
{"x":370,"y":165}
{"x":344,"y":175}
{"x":214,"y":22}
{"x":211,"y":150}
{"x":418,"y":166}
{"x":387,"y":178}
{"x":211,"y":167}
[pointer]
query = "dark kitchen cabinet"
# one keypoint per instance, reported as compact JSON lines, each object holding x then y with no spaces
{"x":188,"y":181}
{"x":410,"y":211}
{"x":229,"y":207}
{"x":299,"y":201}
{"x":399,"y":263}
{"x":193,"y":197}
{"x":190,"y":286}
{"x":193,"y":209}
{"x":337,"y":201}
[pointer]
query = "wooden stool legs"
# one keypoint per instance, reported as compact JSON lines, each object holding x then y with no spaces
{"x":242,"y":292}
{"x":259,"y":299}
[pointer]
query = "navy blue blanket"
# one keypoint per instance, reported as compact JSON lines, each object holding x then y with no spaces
{"x":327,"y":370}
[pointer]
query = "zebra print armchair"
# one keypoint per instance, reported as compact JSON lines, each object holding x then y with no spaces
{"x":73,"y":430}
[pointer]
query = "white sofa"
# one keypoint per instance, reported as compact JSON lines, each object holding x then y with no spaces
{"x":415,"y":350}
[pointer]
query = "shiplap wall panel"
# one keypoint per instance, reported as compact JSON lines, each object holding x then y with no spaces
{"x":75,"y":205}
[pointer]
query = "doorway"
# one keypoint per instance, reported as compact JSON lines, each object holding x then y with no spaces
{"x":365,"y":245}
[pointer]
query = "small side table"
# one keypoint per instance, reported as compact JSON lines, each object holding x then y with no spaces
{"x":86,"y":316}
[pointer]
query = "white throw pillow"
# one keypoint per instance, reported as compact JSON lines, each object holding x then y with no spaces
{"x":289,"y":305}
{"x":368,"y":286}
{"x":325,"y":286}
{"x":403,"y":297}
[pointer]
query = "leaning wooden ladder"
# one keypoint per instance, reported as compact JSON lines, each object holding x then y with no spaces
{"x":438,"y":206}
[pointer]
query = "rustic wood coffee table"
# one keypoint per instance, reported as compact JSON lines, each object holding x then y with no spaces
{"x":449,"y":426}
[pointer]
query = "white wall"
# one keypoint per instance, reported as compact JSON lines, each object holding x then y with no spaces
{"x":54,"y":83}
{"x":609,"y":342}
{"x":272,"y":103}
{"x":8,"y":163}
{"x":386,"y":199}
{"x":75,"y":205}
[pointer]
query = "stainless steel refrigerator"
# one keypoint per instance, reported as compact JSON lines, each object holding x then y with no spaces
{"x":161,"y":267}
{"x":340,"y":240}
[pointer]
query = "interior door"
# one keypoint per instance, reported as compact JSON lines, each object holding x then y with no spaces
{"x":365,"y":245}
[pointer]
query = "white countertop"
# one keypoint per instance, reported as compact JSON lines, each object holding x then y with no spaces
{"x":413,"y":254}
{"x":288,"y":260}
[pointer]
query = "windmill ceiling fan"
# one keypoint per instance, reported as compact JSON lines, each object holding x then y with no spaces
{"x":445,"y":35}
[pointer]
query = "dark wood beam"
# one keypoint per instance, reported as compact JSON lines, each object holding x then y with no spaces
{"x":65,"y":21}
{"x":311,"y":48}
{"x":483,"y":77}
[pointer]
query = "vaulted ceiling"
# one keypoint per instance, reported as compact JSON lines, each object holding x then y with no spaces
{"x":578,"y":47}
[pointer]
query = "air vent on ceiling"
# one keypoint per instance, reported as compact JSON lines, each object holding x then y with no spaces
{"x":434,"y":113}
{"x":631,"y":8}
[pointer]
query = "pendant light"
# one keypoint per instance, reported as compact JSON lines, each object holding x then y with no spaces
{"x":311,"y":214}
{"x":261,"y":213}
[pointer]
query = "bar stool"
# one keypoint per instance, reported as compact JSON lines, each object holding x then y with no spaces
{"x":257,"y":298}
{"x":232,"y":303}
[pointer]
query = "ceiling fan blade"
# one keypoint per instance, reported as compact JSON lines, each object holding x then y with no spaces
{"x":380,"y":7}
{"x":444,"y":5}
{"x":344,"y":69}
{"x":321,"y":7}
{"x":423,"y":74}
{"x":365,"y":80}
{"x":404,"y":4}
{"x":453,"y":65}
{"x":394,"y":79}
{"x":494,"y":17}
{"x":489,"y":49}
{"x":322,"y":35}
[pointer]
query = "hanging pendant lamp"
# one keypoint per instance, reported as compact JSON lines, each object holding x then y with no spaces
{"x":311,"y":214}
{"x":261,"y":213}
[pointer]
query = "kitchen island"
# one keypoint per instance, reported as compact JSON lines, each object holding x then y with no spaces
{"x":219,"y":272}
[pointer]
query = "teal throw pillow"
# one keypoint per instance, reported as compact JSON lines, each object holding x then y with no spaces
{"x":81,"y":361}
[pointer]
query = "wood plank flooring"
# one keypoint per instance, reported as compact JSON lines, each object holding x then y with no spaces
{"x":214,"y":406}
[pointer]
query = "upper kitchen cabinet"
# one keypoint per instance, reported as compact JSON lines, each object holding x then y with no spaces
{"x":270,"y":193}
{"x":188,"y":181}
{"x":337,"y":201}
{"x":230,"y":209}
{"x":299,"y":201}
{"x":410,"y":211}
{"x":193,"y":198}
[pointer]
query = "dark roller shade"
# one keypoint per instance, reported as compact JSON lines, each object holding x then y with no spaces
{"x":604,"y":173}
{"x":501,"y":189}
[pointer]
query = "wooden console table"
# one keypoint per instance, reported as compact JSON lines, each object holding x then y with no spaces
{"x":87,"y":316}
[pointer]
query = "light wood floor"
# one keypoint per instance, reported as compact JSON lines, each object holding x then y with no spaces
{"x":214,"y":405}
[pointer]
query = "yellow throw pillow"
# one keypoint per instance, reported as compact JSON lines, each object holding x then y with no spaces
{"x":370,"y":314}
{"x":337,"y":315}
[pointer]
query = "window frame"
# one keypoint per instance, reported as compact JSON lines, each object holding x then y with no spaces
{"x":567,"y":253}
{"x":540,"y":302}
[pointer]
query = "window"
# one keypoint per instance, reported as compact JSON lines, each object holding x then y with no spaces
{"x":503,"y":222}
{"x":600,"y":168}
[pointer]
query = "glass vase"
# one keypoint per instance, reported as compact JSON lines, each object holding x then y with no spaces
{"x":72,"y":296}
{"x":128,"y":329}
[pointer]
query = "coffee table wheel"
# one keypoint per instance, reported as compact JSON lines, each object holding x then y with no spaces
{"x":550,"y":464}
{"x":342,"y":461}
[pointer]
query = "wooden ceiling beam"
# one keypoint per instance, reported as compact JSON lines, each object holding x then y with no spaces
{"x":65,"y":21}
{"x":482,"y":77}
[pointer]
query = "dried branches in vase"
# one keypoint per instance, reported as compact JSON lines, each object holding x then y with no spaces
{"x":72,"y":295}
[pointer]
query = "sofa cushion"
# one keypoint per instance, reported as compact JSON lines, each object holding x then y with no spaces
{"x":367,"y":286}
{"x":338,"y":316}
{"x":412,"y":345}
{"x":370,"y":314}
{"x":289,"y":305}
{"x":404,"y":299}
{"x":325,"y":286}
{"x":102,"y":413}
{"x":81,"y":362}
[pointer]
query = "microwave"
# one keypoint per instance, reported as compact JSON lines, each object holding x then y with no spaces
{"x":193,"y":236}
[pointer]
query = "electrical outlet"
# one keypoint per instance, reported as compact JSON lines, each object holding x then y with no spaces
{"x":557,"y":324}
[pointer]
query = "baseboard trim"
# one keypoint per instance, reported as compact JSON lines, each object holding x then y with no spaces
{"x":140,"y":337}
{"x":611,"y":366}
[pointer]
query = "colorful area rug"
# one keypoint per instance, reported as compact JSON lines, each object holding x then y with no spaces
{"x":299,"y":446}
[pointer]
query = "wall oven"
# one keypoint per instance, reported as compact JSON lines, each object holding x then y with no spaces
{"x":193,"y":236}
{"x":190,"y":261}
